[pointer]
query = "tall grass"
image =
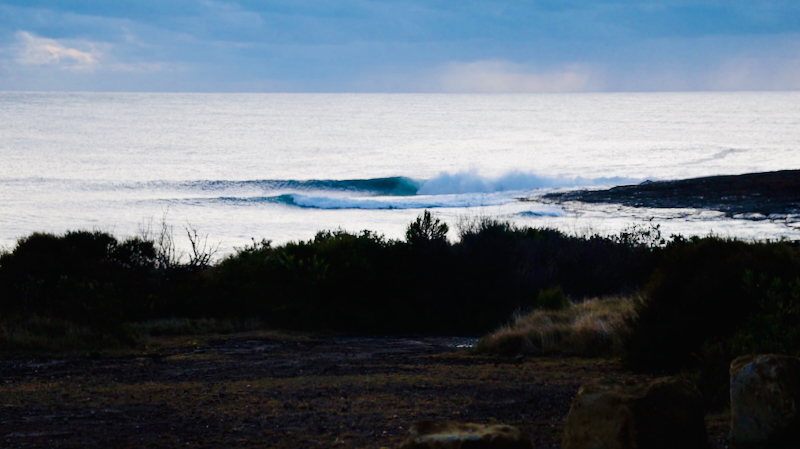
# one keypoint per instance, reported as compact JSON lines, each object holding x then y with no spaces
{"x":593,"y":328}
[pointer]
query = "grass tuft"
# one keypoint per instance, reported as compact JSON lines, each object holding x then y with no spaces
{"x":591,"y":328}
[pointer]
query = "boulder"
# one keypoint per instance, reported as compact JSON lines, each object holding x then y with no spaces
{"x":765,"y":397}
{"x":453,"y":435}
{"x":664,"y":413}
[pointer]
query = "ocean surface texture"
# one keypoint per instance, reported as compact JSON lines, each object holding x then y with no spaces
{"x":284,"y":166}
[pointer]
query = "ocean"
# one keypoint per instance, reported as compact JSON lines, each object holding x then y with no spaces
{"x":282,"y":167}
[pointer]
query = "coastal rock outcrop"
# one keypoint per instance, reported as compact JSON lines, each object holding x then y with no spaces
{"x":454,"y":435}
{"x":765,"y":397}
{"x":664,"y":413}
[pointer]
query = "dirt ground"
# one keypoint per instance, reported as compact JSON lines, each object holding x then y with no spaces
{"x":259,"y":390}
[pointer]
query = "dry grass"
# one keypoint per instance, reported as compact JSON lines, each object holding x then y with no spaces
{"x":591,"y":328}
{"x":49,"y":334}
{"x":56,"y":335}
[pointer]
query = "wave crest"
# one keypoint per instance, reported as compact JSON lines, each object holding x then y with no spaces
{"x":472,"y":182}
{"x":417,"y":202}
{"x":392,"y":186}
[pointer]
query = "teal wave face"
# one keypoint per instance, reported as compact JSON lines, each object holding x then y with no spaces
{"x":393,"y":186}
{"x":285,"y":199}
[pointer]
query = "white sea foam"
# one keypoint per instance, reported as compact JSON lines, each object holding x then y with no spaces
{"x":543,"y":211}
{"x":415,"y":202}
{"x":472,"y":182}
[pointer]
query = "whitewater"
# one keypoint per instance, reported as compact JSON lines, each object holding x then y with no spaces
{"x":281,"y":167}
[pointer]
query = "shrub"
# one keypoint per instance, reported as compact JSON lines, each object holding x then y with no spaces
{"x":353,"y":282}
{"x":88,"y":277}
{"x":699,"y":292}
{"x":552,"y":299}
{"x":426,"y":230}
{"x":365,"y":283}
{"x":773,"y":326}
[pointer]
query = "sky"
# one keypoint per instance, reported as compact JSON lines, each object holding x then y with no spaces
{"x":399,"y":45}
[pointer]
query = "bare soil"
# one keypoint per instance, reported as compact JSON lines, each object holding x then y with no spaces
{"x":257,"y":390}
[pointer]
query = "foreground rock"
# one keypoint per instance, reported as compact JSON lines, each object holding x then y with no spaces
{"x":765,"y":396}
{"x":664,"y":413}
{"x":452,"y":435}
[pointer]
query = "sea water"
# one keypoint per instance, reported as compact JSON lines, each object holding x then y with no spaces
{"x":282,"y":167}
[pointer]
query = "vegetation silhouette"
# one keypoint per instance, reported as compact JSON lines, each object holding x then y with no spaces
{"x":354,"y":282}
{"x":705,"y":300}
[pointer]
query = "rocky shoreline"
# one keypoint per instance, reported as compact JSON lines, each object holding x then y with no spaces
{"x":774,"y":195}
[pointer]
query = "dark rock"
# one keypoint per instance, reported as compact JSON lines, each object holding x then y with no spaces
{"x":765,"y":396}
{"x":666,"y":413}
{"x":753,"y":193}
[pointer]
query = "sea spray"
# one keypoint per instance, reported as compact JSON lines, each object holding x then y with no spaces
{"x":472,"y":182}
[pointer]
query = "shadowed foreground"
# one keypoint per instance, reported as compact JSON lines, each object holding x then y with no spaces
{"x":249,"y":390}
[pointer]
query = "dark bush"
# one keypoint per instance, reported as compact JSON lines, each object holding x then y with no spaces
{"x":427,"y":230}
{"x":337,"y":280}
{"x":86,"y":277}
{"x":773,"y":326}
{"x":699,"y":292}
{"x":711,"y":299}
{"x":552,"y":299}
{"x":365,"y":283}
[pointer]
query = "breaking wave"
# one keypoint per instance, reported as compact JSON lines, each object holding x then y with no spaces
{"x":386,"y":203}
{"x":471,"y":182}
{"x":447,"y":190}
{"x":414,"y":202}
{"x":392,"y":186}
{"x":468,"y":182}
{"x":442,"y":184}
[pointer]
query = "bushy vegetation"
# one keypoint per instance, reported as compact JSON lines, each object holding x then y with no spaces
{"x":552,"y":299}
{"x":703,"y":300}
{"x":707,"y":300}
{"x":710,"y":300}
{"x":365,"y":283}
{"x":353,"y":282}
{"x":89,"y":278}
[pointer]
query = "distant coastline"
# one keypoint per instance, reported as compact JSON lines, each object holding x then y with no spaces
{"x":749,"y":196}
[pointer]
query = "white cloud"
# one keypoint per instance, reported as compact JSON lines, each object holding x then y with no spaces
{"x":34,"y":50}
{"x":497,"y":76}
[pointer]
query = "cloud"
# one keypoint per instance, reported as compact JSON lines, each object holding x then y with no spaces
{"x":399,"y":45}
{"x":34,"y":50}
{"x":496,"y":76}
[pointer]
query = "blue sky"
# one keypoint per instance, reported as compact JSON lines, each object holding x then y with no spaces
{"x":399,"y":46}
